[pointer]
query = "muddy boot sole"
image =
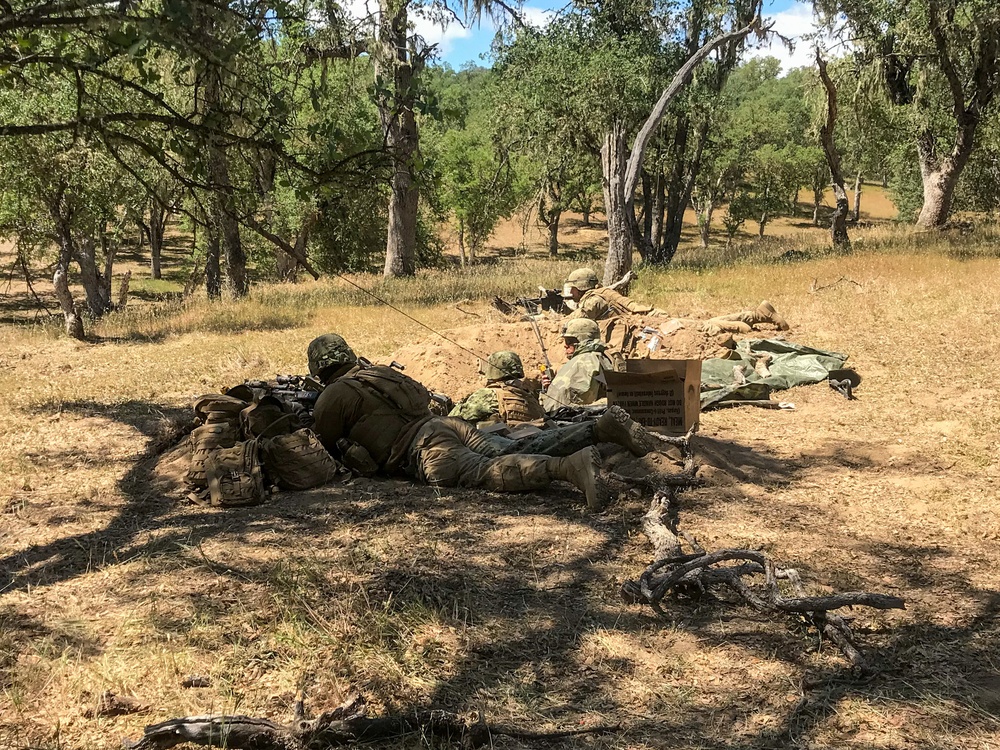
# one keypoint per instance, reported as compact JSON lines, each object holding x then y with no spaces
{"x":616,"y":426}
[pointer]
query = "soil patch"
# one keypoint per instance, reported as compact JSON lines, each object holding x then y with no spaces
{"x":448,"y":363}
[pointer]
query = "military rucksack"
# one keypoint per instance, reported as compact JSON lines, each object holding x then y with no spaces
{"x":205,"y":440}
{"x":401,"y":391}
{"x":266,"y":417}
{"x":235,"y":476}
{"x":299,"y":461}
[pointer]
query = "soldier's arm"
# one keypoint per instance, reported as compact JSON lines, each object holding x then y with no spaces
{"x":477,"y":407}
{"x":629,"y":304}
{"x":338,"y":409}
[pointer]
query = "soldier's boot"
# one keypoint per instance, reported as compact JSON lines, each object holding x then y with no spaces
{"x":616,"y":426}
{"x":580,"y":470}
{"x":767,"y":314}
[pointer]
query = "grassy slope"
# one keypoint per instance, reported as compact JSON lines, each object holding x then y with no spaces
{"x":509,"y":604}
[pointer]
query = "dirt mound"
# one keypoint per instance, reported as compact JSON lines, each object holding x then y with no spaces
{"x":450,"y":365}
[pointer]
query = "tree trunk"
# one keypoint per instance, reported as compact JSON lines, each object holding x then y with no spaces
{"x":838,"y":223}
{"x":705,"y":222}
{"x":586,"y":214}
{"x":857,"y":198}
{"x":213,"y":272}
{"x":98,"y":295}
{"x":60,"y":279}
{"x":553,"y":229}
{"x":647,"y":206}
{"x":461,"y":241}
{"x":817,"y":201}
{"x":110,"y":251}
{"x":659,"y":207}
{"x":761,"y":223}
{"x":225,"y":226}
{"x":549,"y":212}
{"x":157,"y":228}
{"x":940,"y":178}
{"x":394,"y":67}
{"x":618,"y":208}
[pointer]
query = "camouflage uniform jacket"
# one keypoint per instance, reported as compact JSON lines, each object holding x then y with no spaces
{"x":517,"y":403}
{"x":580,"y":380}
{"x":347,"y":408}
{"x":603,"y":303}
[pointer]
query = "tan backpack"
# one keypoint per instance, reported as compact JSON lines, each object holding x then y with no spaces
{"x":205,"y":440}
{"x":235,"y":476}
{"x":299,"y":461}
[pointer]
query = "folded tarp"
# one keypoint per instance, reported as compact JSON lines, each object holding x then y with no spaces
{"x":789,"y":365}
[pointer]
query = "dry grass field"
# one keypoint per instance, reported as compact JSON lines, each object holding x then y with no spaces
{"x":509,"y":604}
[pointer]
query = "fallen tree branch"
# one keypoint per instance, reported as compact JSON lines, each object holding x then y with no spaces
{"x":816,"y":287}
{"x":695,"y":575}
{"x":698,"y":574}
{"x":344,"y":725}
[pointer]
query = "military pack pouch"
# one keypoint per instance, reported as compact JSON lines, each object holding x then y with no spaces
{"x":205,"y":440}
{"x":267,"y":418}
{"x":298,"y":461}
{"x":235,"y":476}
{"x":217,"y":407}
{"x":401,"y":391}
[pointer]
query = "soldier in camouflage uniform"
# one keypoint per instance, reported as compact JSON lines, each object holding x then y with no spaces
{"x":383,"y":413}
{"x":597,"y":302}
{"x":580,"y":380}
{"x":506,"y":399}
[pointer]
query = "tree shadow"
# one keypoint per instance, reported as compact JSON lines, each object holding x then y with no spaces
{"x":491,"y":564}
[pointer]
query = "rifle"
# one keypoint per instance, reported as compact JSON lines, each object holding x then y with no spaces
{"x":297,"y":392}
{"x":365,"y":362}
{"x":541,"y":342}
{"x":547,"y":299}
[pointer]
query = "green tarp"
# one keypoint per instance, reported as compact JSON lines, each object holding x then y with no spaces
{"x":789,"y":365}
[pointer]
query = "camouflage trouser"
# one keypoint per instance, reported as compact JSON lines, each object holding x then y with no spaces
{"x":449,"y":452}
{"x":564,"y":440}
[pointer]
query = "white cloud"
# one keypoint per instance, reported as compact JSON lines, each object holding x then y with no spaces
{"x":442,"y":33}
{"x":799,"y":25}
{"x":439,"y":30}
{"x":537,"y":17}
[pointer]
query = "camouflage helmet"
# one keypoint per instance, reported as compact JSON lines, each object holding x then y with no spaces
{"x":329,"y":350}
{"x":583,"y":279}
{"x":581,"y":329}
{"x":503,"y":366}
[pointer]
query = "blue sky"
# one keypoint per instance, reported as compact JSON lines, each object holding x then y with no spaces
{"x":459,"y":45}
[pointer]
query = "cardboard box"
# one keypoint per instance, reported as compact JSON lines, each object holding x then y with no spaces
{"x":663,"y":395}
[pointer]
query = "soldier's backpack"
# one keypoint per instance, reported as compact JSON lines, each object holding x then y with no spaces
{"x":299,"y":461}
{"x":220,"y":415}
{"x":403,"y":392}
{"x":235,"y":476}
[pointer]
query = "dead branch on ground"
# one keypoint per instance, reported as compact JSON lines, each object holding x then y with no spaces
{"x":699,"y":574}
{"x":345,"y":725}
{"x":817,"y":287}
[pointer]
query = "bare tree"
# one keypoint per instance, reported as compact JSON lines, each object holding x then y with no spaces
{"x":622,"y":166}
{"x":838,"y":223}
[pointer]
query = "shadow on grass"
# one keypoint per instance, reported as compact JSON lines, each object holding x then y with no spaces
{"x":531,"y":582}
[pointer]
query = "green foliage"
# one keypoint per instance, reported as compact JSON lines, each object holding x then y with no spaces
{"x":473,"y":183}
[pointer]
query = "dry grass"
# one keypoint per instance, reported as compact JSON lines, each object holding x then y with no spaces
{"x":509,"y":604}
